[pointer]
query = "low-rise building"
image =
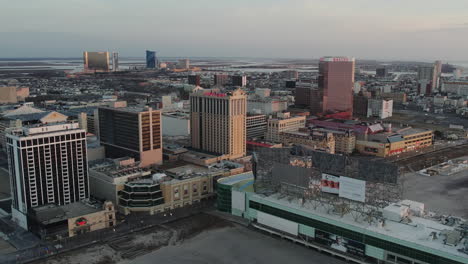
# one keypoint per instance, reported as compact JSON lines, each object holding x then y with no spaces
{"x":54,"y":221}
{"x":283,"y":123}
{"x":173,"y":152}
{"x":256,"y":126}
{"x":136,"y":189}
{"x":108,"y":177}
{"x":318,"y":140}
{"x":393,"y":143}
{"x":345,"y":140}
{"x":456,"y":87}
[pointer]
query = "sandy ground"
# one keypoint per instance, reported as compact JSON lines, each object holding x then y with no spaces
{"x":235,"y":244}
{"x":116,"y":251}
{"x":441,"y":194}
{"x":199,"y":239}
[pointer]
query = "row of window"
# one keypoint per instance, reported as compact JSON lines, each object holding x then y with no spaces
{"x":49,"y":140}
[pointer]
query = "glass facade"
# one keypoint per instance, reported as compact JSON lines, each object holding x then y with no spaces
{"x":223,"y":200}
{"x":141,"y":195}
{"x":151,"y":59}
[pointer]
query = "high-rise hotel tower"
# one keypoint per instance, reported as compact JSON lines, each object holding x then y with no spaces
{"x":218,"y":122}
{"x":48,"y":164}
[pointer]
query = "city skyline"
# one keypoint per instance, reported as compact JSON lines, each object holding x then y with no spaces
{"x":306,"y":29}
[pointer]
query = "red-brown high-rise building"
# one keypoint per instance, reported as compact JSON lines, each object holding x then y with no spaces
{"x":336,"y":80}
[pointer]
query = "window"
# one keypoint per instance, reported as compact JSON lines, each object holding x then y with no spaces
{"x":403,"y":260}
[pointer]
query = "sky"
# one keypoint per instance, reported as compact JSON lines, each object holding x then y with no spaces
{"x":367,"y":29}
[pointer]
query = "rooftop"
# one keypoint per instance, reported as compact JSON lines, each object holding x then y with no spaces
{"x":130,"y":109}
{"x":52,"y":213}
{"x":113,"y":169}
{"x":22,"y":110}
{"x":417,"y":231}
{"x":410,"y":131}
{"x":231,"y":180}
{"x":177,"y":114}
{"x":28,"y":117}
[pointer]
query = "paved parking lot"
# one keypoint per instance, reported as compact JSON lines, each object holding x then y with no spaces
{"x":443,"y":194}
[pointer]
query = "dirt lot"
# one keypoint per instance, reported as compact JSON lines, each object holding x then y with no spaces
{"x":199,"y":239}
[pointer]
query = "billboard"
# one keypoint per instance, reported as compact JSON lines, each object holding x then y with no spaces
{"x":340,"y":243}
{"x":352,"y":189}
{"x":330,"y":183}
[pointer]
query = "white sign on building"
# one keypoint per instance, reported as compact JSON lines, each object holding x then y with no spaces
{"x":352,"y":189}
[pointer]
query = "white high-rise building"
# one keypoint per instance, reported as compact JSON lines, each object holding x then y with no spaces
{"x":381,"y":108}
{"x":48,"y":165}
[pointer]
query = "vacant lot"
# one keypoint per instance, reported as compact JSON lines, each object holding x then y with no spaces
{"x":235,"y":244}
{"x":199,"y":239}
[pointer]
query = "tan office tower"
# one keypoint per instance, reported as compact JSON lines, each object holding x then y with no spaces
{"x":131,"y":132}
{"x":96,"y":61}
{"x":218,"y":122}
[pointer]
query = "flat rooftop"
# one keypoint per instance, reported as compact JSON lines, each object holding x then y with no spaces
{"x":417,"y":232}
{"x":110,"y":168}
{"x":232,"y":180}
{"x":411,"y":131}
{"x":52,"y":213}
{"x":186,"y":170}
{"x":199,"y":155}
{"x":130,"y":109}
{"x":177,"y":114}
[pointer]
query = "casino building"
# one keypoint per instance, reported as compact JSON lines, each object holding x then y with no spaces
{"x":398,"y":236}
